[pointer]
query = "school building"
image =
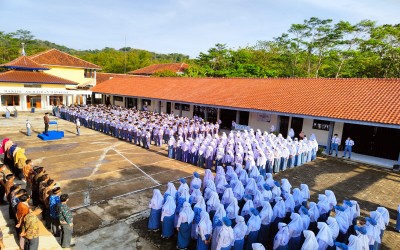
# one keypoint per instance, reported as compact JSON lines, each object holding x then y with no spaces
{"x":46,"y":79}
{"x":367,"y":110}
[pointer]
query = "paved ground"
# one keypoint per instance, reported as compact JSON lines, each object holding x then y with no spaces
{"x":109,"y":180}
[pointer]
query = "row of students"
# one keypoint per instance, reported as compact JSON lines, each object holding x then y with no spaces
{"x":228,"y":212}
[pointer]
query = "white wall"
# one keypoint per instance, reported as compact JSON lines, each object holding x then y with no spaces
{"x":262,"y":125}
{"x":321,"y":135}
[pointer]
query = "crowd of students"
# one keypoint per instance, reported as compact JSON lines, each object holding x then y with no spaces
{"x":194,"y":140}
{"x":41,"y":195}
{"x":238,"y":209}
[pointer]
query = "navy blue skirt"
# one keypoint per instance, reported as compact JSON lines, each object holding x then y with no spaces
{"x":168,"y":226}
{"x":155,"y":219}
{"x":184,"y":235}
{"x":201,"y":245}
{"x":238,"y":245}
{"x":251,"y":238}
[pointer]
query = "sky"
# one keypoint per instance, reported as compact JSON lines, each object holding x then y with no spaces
{"x":178,"y":26}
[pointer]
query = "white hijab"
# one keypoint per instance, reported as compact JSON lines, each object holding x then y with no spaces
{"x":254,"y":223}
{"x":333,"y":226}
{"x":201,"y":203}
{"x":324,"y":233}
{"x":266,"y":213}
{"x":250,"y":187}
{"x":171,"y":190}
{"x":187,"y":210}
{"x":232,"y":210}
{"x":269,"y":180}
{"x":305,"y":191}
{"x":156,"y":201}
{"x":213,"y":202}
{"x":238,"y":190}
{"x":323,"y":204}
{"x":227,"y":196}
{"x":354,"y":243}
{"x":289,"y":203}
{"x":282,"y":237}
{"x":313,"y":212}
{"x":296,"y":225}
{"x":207,"y":176}
{"x":297,"y":197}
{"x":310,"y":242}
{"x":279,"y":208}
{"x":286,"y":187}
{"x":168,"y":208}
{"x":205,"y":224}
{"x":331,"y":198}
{"x":246,"y":208}
{"x":385,"y":214}
{"x":240,"y":228}
{"x":257,"y":246}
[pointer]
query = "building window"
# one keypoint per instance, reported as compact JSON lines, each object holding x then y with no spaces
{"x":31,"y":85}
{"x":321,"y":125}
{"x":89,"y":73}
{"x":185,"y":107}
{"x":118,"y":99}
{"x":146,"y":102}
{"x":56,"y":100}
{"x":10,"y":100}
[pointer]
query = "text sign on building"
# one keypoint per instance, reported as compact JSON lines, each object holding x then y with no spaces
{"x":42,"y":91}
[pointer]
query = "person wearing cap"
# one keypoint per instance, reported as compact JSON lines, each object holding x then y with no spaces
{"x":46,"y":123}
{"x":184,"y":226}
{"x":253,"y":228}
{"x":30,"y":229}
{"x":54,"y":200}
{"x":66,"y":221}
{"x":226,"y":236}
{"x":310,"y":242}
{"x":204,"y":231}
{"x":281,"y":239}
{"x":155,"y":205}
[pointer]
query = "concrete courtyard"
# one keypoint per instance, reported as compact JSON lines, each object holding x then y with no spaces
{"x":110,"y":180}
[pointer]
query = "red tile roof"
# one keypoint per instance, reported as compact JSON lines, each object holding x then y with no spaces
{"x":23,"y":62}
{"x":59,"y":58}
{"x":150,"y":70}
{"x":102,"y":77}
{"x":16,"y":76}
{"x":370,"y":100}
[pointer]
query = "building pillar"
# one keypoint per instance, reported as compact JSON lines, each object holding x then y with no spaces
{"x":218,"y":114}
{"x":237,"y":117}
{"x":84,"y":99}
{"x":205,"y":113}
{"x":159,"y":107}
{"x":23,"y":102}
{"x":330,"y":134}
{"x":139,"y":104}
{"x":180,"y":110}
{"x":43,"y":101}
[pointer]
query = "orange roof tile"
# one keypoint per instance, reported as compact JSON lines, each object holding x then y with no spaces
{"x":17,"y":76}
{"x":369,"y":100}
{"x":150,"y":70}
{"x":102,"y":77}
{"x":23,"y":62}
{"x":59,"y":58}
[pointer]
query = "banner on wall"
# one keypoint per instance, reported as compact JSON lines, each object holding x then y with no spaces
{"x":264,"y":117}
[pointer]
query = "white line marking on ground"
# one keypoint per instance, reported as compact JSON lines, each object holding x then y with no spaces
{"x":133,"y":164}
{"x":103,"y":155}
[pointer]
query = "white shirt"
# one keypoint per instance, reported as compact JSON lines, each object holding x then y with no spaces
{"x":349,"y":142}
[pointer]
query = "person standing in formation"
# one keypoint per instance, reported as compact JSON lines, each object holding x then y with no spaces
{"x":349,"y":143}
{"x":335,"y":142}
{"x":78,"y":127}
{"x":28,"y":128}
